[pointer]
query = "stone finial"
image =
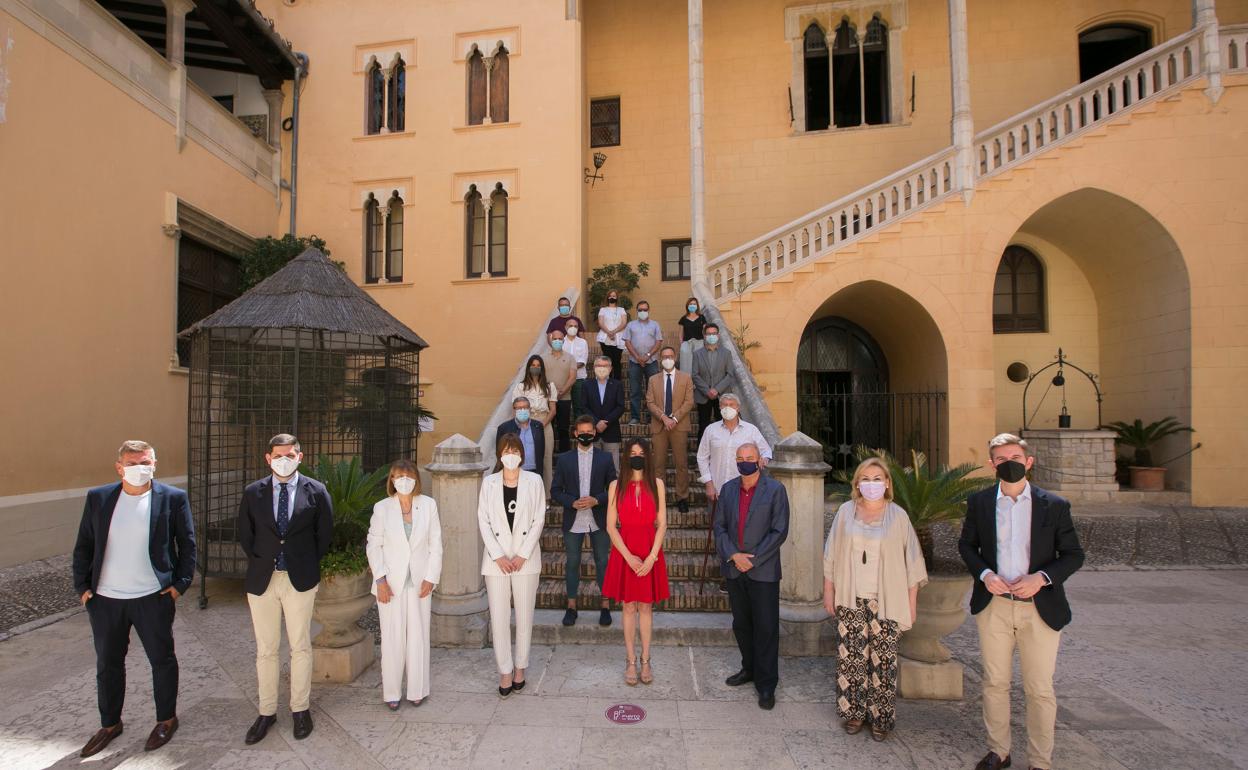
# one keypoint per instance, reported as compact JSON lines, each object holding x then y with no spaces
{"x":799,"y":452}
{"x":457,"y":453}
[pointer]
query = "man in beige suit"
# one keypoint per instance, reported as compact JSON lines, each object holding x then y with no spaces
{"x":669,"y":397}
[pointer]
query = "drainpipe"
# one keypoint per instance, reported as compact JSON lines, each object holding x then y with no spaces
{"x":300,"y":71}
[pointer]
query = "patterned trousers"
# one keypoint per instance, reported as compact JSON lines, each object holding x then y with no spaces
{"x":866,"y":665}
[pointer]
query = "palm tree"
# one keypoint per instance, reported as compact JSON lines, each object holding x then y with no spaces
{"x":1141,"y":437}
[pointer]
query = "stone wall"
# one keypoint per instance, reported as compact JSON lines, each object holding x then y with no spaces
{"x":1077,"y":464}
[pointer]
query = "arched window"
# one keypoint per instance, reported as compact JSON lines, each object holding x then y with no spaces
{"x":1105,"y":47}
{"x":485,"y":232}
{"x":474,"y":236}
{"x":397,"y":102}
{"x":875,"y":72}
{"x":499,"y":86}
{"x":1018,"y":294}
{"x":373,"y":239}
{"x":846,"y":77}
{"x":394,"y":239}
{"x":498,"y":231}
{"x":476,"y":88}
{"x":374,"y":98}
{"x":816,"y":70}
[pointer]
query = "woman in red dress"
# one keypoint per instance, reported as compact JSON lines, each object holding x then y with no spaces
{"x":636,"y":573}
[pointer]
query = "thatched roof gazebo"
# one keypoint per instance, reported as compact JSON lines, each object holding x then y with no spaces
{"x":307,"y":352}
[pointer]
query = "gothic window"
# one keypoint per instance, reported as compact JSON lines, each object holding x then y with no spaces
{"x":498,"y":231}
{"x":374,"y":98}
{"x":373,"y":240}
{"x":815,"y":67}
{"x":476,"y":89}
{"x":1018,"y":294}
{"x":397,"y":102}
{"x":394,"y":239}
{"x":498,"y":86}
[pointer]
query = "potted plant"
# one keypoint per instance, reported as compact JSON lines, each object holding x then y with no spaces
{"x":344,"y":595}
{"x":1141,"y":438}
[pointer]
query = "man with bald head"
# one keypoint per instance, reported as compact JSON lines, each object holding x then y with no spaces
{"x":751,"y":523}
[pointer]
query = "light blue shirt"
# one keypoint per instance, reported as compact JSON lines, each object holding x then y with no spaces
{"x":602,"y":391}
{"x":643,"y":334}
{"x":526,"y":440}
{"x":291,"y":486}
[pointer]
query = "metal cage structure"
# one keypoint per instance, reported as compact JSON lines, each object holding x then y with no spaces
{"x":305,"y":352}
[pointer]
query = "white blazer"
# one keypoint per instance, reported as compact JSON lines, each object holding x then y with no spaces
{"x":524,"y":538}
{"x":392,"y":555}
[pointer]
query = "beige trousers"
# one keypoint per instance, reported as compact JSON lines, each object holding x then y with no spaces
{"x":502,"y":591}
{"x":1003,"y":625}
{"x":278,"y":600}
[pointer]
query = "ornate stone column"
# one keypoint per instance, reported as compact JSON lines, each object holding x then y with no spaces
{"x":273,"y":97}
{"x":175,"y":52}
{"x":799,"y":466}
{"x":460,"y":609}
{"x":963,"y":124}
{"x":1205,"y":17}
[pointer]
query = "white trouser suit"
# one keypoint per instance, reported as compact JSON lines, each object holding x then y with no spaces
{"x":522,"y":538}
{"x":405,"y":562}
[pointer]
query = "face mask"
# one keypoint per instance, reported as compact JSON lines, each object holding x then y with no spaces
{"x":669,"y":364}
{"x":556,"y":344}
{"x":565,"y":310}
{"x":712,"y":339}
{"x":729,"y":413}
{"x":284,"y":466}
{"x":522,"y":415}
{"x":643,"y":314}
{"x":1011,"y":471}
{"x":404,"y":485}
{"x":747,"y":468}
{"x":535,"y":370}
{"x":571,"y":331}
{"x":585,"y":438}
{"x":511,"y":462}
{"x":636,"y":462}
{"x":602,"y":372}
{"x":871,"y":490}
{"x":612,"y":300}
{"x":138,"y":475}
{"x":691,"y":308}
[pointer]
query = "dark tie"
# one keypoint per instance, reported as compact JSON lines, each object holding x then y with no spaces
{"x":283,"y":522}
{"x":667,"y":397}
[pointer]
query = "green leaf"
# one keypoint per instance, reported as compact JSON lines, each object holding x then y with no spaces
{"x":353,"y":494}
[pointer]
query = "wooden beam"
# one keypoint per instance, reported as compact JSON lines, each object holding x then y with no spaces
{"x":221,"y":22}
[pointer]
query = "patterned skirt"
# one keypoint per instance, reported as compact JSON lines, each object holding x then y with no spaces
{"x":866,"y":665}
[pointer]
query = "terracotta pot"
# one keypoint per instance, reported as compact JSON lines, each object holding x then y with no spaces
{"x":1149,"y":479}
{"x":942,"y":609}
{"x":341,"y":601}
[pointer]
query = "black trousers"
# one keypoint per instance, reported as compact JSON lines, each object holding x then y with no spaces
{"x":614,"y":353}
{"x":563,"y":418}
{"x":707,"y":414}
{"x":151,"y":617}
{"x":756,"y":624}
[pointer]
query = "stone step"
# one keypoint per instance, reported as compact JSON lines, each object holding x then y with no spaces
{"x":671,"y":629}
{"x":680,"y":566}
{"x":686,"y":596}
{"x":697,"y":517}
{"x":677,"y":540}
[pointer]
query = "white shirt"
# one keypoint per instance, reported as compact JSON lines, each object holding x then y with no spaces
{"x":609,"y":318}
{"x":539,"y":403}
{"x":291,"y":486}
{"x":584,"y":521}
{"x":1013,"y":536}
{"x":579,"y":349}
{"x":127,"y":569}
{"x":717,"y":454}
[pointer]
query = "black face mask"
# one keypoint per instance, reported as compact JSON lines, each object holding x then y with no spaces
{"x":585,"y":438}
{"x":636,"y":463}
{"x":612,"y":300}
{"x":1011,"y":471}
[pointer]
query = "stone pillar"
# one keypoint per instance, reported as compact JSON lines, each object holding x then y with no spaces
{"x":1205,"y":17}
{"x":963,"y":125}
{"x":697,"y":165}
{"x":460,"y":609}
{"x":804,"y":629}
{"x":175,"y":52}
{"x":273,"y":97}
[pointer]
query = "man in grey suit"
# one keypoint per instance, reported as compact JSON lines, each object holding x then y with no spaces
{"x":712,"y":376}
{"x":751,"y":523}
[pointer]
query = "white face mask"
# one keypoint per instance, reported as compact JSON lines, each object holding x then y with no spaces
{"x":511,"y":461}
{"x":871,"y":490}
{"x":729,"y":413}
{"x":572,"y":332}
{"x":669,"y":364}
{"x":643,"y":314}
{"x":404,"y":485}
{"x":284,"y":466}
{"x":602,"y":372}
{"x":138,"y":475}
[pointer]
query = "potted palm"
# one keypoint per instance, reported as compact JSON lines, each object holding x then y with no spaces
{"x":1140,"y":437}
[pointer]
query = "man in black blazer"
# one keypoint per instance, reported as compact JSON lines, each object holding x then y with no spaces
{"x":604,"y":401}
{"x":751,"y":523}
{"x":529,"y":430}
{"x":580,"y":484}
{"x":134,"y":556}
{"x":1020,"y":544}
{"x":285,"y":522}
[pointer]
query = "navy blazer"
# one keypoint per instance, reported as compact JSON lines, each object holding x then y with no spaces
{"x":610,"y":408}
{"x":565,"y":485}
{"x":766,"y":528}
{"x":170,"y":545}
{"x":539,"y":440}
{"x":1055,"y":549}
{"x":307,"y":540}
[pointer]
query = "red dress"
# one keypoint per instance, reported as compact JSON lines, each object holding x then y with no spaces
{"x":637,"y":515}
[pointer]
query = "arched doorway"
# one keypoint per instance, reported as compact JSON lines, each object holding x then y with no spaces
{"x":1106,"y":46}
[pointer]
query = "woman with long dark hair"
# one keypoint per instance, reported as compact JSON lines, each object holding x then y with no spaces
{"x":543,"y":396}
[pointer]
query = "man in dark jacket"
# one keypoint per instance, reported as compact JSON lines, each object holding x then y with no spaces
{"x":135,"y":555}
{"x":580,"y":485}
{"x":1020,"y":544}
{"x":285,"y":522}
{"x":604,"y":401}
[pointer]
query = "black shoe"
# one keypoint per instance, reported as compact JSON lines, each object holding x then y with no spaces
{"x":992,"y":761}
{"x":682,"y":506}
{"x":303,"y":724}
{"x":503,"y":692}
{"x":767,"y":700}
{"x":518,"y":686}
{"x":740,"y":678}
{"x":569,"y":617}
{"x":604,"y":617}
{"x":259,"y":729}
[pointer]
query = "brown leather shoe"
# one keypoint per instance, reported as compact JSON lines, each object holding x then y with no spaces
{"x":161,"y":734}
{"x":992,"y":762}
{"x":854,"y":726}
{"x":102,"y":738}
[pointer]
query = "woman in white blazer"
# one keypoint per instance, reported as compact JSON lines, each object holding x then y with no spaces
{"x":405,"y":554}
{"x":511,"y":512}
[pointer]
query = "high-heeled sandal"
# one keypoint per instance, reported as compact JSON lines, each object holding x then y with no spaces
{"x":854,"y":726}
{"x":646,"y":676}
{"x":630,"y":673}
{"x":878,"y":733}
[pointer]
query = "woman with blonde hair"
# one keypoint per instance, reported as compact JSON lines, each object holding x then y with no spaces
{"x":404,"y":550}
{"x":872,"y":571}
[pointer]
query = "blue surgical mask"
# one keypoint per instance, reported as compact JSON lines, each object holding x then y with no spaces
{"x":565,"y":310}
{"x":712,"y":339}
{"x":522,"y":415}
{"x":747,"y":468}
{"x":556,"y":344}
{"x":643,"y":314}
{"x":691,"y":308}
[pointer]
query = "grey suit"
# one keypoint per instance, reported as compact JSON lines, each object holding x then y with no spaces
{"x":712,"y":369}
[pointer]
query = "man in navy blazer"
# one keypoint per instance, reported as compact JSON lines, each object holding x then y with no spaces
{"x":604,"y":400}
{"x":134,"y":556}
{"x":529,"y":430}
{"x":751,"y":523}
{"x":580,"y":483}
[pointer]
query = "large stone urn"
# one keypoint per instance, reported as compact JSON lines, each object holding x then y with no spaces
{"x":342,"y":650}
{"x":927,"y":667}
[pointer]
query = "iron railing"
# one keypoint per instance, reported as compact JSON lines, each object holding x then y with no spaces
{"x":897,"y":422}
